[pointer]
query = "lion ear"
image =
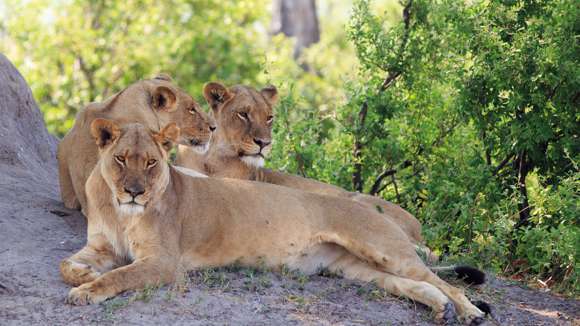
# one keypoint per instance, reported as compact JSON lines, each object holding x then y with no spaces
{"x":163,"y":98}
{"x":163,"y":76}
{"x":270,"y":93}
{"x":216,"y":94}
{"x":167,"y":136}
{"x":105,"y":132}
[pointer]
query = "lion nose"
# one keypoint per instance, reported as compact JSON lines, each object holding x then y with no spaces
{"x":262,"y":142}
{"x":212,"y":128}
{"x":135,"y":191}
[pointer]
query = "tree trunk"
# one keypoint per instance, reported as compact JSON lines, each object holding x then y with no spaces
{"x":296,"y":18}
{"x":393,"y":75}
{"x":357,"y":180}
{"x":523,"y":205}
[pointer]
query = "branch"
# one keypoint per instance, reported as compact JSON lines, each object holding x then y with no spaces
{"x":523,"y":170}
{"x":390,"y":80}
{"x":553,"y":92}
{"x":575,"y":97}
{"x":445,"y":133}
{"x":486,"y":148}
{"x":300,"y":162}
{"x":375,"y":189}
{"x":96,"y":21}
{"x":502,"y":164}
{"x":357,"y":180}
{"x":396,"y":188}
{"x":407,"y":21}
{"x":393,"y":75}
{"x":89,"y":75}
{"x":383,"y":188}
{"x":112,"y":56}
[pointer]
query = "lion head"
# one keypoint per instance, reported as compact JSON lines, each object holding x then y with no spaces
{"x":133,"y":162}
{"x":173,"y":105}
{"x":245,"y":117}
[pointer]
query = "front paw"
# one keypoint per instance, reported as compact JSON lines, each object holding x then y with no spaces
{"x":84,"y":295}
{"x":75,"y":273}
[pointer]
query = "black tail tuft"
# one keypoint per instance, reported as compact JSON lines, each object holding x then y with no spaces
{"x":470,"y":275}
{"x":483,"y":306}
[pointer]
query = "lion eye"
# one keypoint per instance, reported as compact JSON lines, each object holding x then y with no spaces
{"x":243,"y":115}
{"x":120,"y":159}
{"x":151,"y":163}
{"x":192,"y":111}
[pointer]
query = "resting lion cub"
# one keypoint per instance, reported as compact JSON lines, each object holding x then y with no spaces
{"x":146,"y":221}
{"x":152,"y":102}
{"x":244,"y":139}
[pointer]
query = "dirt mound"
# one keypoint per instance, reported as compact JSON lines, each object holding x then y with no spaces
{"x":36,"y":232}
{"x":24,"y":142}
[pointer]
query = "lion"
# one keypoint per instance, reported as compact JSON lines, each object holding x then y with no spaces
{"x":147,"y":223}
{"x":152,"y":102}
{"x":244,"y":139}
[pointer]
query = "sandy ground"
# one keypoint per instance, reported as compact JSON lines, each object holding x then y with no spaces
{"x":36,"y":232}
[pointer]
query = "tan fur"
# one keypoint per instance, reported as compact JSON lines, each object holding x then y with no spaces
{"x":188,"y":223}
{"x":234,"y":140}
{"x":153,"y":103}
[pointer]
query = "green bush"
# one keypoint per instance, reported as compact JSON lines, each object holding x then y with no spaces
{"x":481,"y":88}
{"x":550,"y":245}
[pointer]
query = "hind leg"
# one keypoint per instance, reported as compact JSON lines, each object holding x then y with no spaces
{"x":338,"y":260}
{"x":429,"y":256}
{"x":407,"y":222}
{"x":353,"y":268}
{"x":468,"y":312}
{"x":411,"y":267}
{"x":398,"y":257}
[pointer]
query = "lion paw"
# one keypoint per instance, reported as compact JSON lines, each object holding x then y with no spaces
{"x":448,"y":316}
{"x":477,"y":321}
{"x":472,"y":315}
{"x":75,"y":273}
{"x":83,"y":295}
{"x":474,"y":319}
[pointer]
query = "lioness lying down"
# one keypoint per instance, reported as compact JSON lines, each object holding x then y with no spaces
{"x":244,"y":140}
{"x":146,"y":221}
{"x":152,"y":102}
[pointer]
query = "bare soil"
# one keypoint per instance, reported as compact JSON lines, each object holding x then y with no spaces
{"x":36,"y":232}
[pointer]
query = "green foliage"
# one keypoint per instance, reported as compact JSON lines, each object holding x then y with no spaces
{"x":83,"y":51}
{"x":477,"y":83}
{"x":463,"y":112}
{"x":521,"y":88}
{"x":550,"y":245}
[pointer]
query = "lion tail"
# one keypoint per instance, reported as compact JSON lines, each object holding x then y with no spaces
{"x":468,"y":274}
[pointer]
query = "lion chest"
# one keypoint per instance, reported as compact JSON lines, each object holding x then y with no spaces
{"x":122,"y":237}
